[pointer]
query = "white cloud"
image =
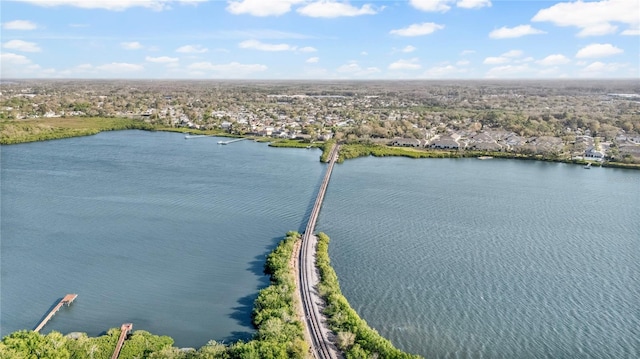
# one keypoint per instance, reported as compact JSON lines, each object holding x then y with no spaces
{"x":553,"y":60}
{"x":192,"y":49}
{"x":307,"y":49}
{"x":509,"y":71}
{"x":631,"y":32}
{"x":134,"y":45}
{"x":119,"y":67}
{"x":473,"y":4}
{"x":411,"y":64}
{"x":445,"y":5}
{"x":14,"y":59}
{"x":364,"y":53}
{"x":467,"y":52}
{"x":598,"y":50}
{"x":598,"y":30}
{"x":19,"y":25}
{"x":496,"y":60}
{"x":442,"y":71}
{"x":20,"y":45}
{"x":257,"y":45}
{"x":425,"y":28}
{"x":114,"y":5}
{"x":431,"y":5}
{"x":261,"y":7}
{"x":312,"y":60}
{"x":592,"y":18}
{"x":228,"y":70}
{"x":162,"y":59}
{"x":408,"y":49}
{"x":513,"y":32}
{"x":463,"y":63}
{"x":513,"y":53}
{"x":331,"y":9}
{"x":353,"y":68}
{"x":596,"y":69}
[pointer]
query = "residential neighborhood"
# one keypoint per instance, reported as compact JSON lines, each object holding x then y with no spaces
{"x":595,"y":120}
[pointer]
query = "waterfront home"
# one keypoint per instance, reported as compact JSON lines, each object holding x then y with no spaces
{"x":445,"y":142}
{"x":591,"y":152}
{"x":406,"y":142}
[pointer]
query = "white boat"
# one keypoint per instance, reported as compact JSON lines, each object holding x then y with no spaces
{"x":186,"y":137}
{"x":587,"y":166}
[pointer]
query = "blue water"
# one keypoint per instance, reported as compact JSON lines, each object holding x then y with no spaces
{"x":447,"y":258}
{"x":460,"y":258}
{"x":146,"y":227}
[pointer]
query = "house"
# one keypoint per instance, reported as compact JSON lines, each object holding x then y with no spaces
{"x":445,"y":142}
{"x":406,"y":142}
{"x":591,"y":152}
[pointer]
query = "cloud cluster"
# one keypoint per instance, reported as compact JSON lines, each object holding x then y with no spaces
{"x":258,"y":45}
{"x":192,"y":49}
{"x":424,"y":28}
{"x":594,"y":18}
{"x":319,"y":9}
{"x":411,"y":64}
{"x":134,"y":45}
{"x":513,"y":32}
{"x":19,"y":25}
{"x":445,"y":5}
{"x":597,"y":51}
{"x":20,"y":45}
{"x":114,"y":5}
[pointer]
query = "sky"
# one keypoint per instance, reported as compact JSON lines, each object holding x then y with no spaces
{"x":319,"y":39}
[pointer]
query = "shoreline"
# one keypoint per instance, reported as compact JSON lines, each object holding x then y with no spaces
{"x":36,"y":131}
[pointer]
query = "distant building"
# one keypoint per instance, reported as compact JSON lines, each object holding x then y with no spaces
{"x":446,"y":143}
{"x":591,"y":152}
{"x":406,"y":142}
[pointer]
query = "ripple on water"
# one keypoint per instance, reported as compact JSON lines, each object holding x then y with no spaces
{"x":501,"y":259}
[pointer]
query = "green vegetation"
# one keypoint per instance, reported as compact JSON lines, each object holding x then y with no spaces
{"x":326,"y":150}
{"x":355,"y":337}
{"x":355,"y":150}
{"x":292,"y":143}
{"x":280,"y":334}
{"x":19,"y":131}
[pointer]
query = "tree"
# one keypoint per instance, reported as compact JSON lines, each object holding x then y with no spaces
{"x":345,"y":340}
{"x":27,"y":344}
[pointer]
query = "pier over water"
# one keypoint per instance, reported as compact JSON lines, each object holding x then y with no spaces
{"x":68,"y":299}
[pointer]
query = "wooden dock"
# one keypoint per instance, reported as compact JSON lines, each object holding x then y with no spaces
{"x":231,"y":141}
{"x":68,"y":299}
{"x":125,"y":329}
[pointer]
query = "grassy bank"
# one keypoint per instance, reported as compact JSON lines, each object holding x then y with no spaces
{"x":355,"y":337}
{"x":292,"y":143}
{"x":350,"y":151}
{"x":42,"y":129}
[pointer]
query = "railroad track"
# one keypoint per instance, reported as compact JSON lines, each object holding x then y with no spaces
{"x":320,"y":345}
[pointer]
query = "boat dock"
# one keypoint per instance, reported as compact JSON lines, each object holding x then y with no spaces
{"x":68,"y":299}
{"x":230,"y":141}
{"x":125,"y":329}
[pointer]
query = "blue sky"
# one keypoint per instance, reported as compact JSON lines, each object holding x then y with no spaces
{"x":320,"y":39}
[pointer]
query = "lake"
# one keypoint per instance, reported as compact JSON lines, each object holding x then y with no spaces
{"x":461,"y":258}
{"x":448,"y":258}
